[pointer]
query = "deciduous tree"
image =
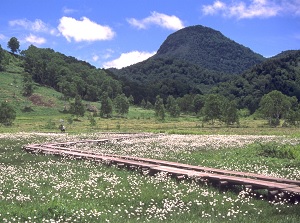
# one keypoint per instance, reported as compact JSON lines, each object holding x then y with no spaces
{"x":13,"y":44}
{"x":274,"y":106}
{"x":212,"y":109}
{"x":229,"y":112}
{"x":172,"y":107}
{"x":198,"y":103}
{"x":121,"y":104}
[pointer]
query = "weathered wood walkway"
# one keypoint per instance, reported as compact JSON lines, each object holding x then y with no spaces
{"x":222,"y":178}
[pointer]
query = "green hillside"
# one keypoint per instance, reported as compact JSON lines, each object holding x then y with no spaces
{"x":192,"y":60}
{"x":44,"y":104}
{"x":281,"y":73}
{"x":158,"y":76}
{"x":11,"y":87}
{"x":68,"y":75}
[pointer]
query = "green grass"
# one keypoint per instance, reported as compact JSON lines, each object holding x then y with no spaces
{"x":257,"y":158}
{"x":38,"y":188}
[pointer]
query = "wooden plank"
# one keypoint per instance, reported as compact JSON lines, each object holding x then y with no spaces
{"x":181,"y":171}
{"x":214,"y":170}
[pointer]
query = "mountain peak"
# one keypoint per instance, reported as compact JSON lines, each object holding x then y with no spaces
{"x":208,"y":48}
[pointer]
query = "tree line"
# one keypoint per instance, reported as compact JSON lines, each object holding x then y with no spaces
{"x":273,"y":107}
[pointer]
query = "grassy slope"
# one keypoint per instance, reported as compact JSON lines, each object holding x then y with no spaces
{"x":11,"y":91}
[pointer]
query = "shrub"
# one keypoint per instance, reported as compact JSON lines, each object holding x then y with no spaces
{"x":7,"y":114}
{"x":279,"y":151}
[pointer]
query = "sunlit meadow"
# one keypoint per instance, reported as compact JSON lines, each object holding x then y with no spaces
{"x":45,"y":188}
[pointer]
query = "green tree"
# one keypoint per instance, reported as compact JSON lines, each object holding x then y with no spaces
{"x":148,"y":105}
{"x":27,"y":84}
{"x":172,"y":107}
{"x":293,"y":117}
{"x":121,"y":103}
{"x":212,"y":109}
{"x":229,"y":112}
{"x":274,"y":106}
{"x":7,"y":114}
{"x":2,"y":57}
{"x":13,"y":44}
{"x":77,"y":108}
{"x":131,"y":100}
{"x":92,"y":120}
{"x":143,"y":103}
{"x":198,"y":103}
{"x":186,"y":103}
{"x":159,"y":108}
{"x":106,"y":106}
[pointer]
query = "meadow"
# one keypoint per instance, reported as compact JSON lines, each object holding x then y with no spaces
{"x":45,"y":188}
{"x":40,"y":188}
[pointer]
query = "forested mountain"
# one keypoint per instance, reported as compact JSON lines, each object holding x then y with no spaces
{"x":193,"y":59}
{"x":281,"y":73}
{"x":209,"y":49}
{"x":68,"y":75}
{"x":166,"y":77}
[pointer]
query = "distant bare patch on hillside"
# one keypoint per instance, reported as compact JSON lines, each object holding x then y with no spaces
{"x":39,"y":100}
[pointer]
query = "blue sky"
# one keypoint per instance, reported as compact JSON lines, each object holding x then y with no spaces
{"x":118,"y":33}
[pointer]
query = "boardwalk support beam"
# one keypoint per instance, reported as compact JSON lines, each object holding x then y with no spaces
{"x":223,"y":185}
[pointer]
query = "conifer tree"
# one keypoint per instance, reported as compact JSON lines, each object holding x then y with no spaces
{"x":77,"y":108}
{"x":106,"y":106}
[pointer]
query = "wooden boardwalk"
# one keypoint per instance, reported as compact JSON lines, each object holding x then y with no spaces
{"x":222,"y":178}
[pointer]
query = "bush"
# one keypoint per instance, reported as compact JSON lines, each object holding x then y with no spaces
{"x":7,"y":114}
{"x":279,"y":151}
{"x":50,"y":124}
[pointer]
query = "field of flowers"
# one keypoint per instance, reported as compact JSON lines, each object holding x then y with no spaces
{"x":40,"y":188}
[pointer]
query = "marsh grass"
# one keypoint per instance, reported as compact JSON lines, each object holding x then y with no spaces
{"x":40,"y":188}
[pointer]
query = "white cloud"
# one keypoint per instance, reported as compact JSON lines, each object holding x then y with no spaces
{"x":163,"y":20}
{"x":35,"y":39}
{"x":213,"y":9}
{"x":33,"y":26}
{"x":36,"y":26}
{"x":68,"y":10}
{"x":291,"y":7}
{"x":127,"y":59}
{"x":254,"y":9}
{"x":107,"y":54}
{"x":84,"y":30}
{"x":95,"y":58}
{"x":2,"y":37}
